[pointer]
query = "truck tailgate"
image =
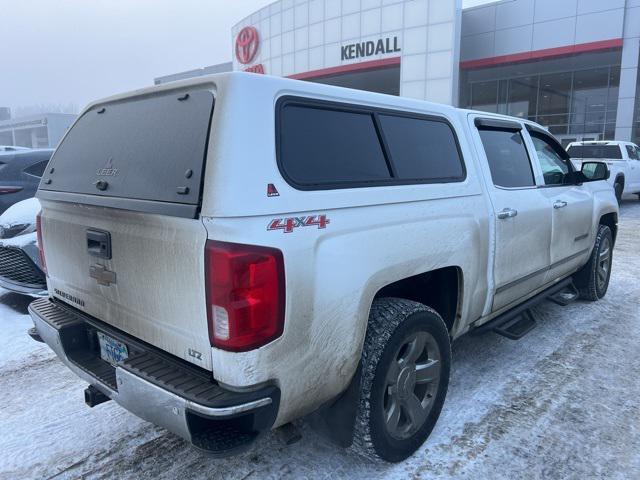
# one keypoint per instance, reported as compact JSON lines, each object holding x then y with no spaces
{"x":152,"y":287}
{"x":120,"y":224}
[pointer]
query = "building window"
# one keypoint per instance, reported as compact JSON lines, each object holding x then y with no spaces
{"x":595,"y":101}
{"x":554,"y":99}
{"x":572,"y":105}
{"x":484,"y":96}
{"x":40,"y":137}
{"x":523,"y":97}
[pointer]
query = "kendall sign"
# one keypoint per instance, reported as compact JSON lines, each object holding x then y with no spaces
{"x":368,"y":49}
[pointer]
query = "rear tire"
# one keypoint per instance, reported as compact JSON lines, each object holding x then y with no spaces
{"x":593,"y":280}
{"x":406,"y":362}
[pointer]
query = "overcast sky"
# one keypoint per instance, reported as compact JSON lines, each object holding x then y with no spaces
{"x":74,"y":51}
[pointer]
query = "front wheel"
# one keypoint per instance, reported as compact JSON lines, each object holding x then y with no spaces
{"x":405,"y":375}
{"x":593,"y":280}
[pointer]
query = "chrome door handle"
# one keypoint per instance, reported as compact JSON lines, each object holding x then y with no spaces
{"x":559,"y":204}
{"x":507,"y":213}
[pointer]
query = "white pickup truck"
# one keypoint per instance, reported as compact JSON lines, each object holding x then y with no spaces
{"x":623,"y":159}
{"x":228,"y":254}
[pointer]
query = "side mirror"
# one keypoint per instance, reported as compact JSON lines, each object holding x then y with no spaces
{"x":595,"y":171}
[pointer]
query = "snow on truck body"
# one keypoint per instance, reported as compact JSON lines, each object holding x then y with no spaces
{"x":238,"y":234}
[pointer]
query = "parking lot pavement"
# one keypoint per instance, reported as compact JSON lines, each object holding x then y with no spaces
{"x":563,"y":402}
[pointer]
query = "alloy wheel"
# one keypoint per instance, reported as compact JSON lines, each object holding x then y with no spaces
{"x":604,"y":263}
{"x":411,"y":387}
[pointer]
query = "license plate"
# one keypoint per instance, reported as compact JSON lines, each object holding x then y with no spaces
{"x":111,"y":350}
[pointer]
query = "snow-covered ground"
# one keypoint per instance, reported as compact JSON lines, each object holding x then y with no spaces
{"x":564,"y":402}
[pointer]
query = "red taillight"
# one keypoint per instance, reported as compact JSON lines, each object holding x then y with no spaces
{"x":40,"y":244}
{"x":245,"y":295}
{"x":5,"y":190}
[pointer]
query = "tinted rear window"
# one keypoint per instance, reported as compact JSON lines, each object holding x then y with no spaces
{"x":595,"y":151}
{"x":422,"y":149}
{"x":508,"y":158}
{"x":322,"y":146}
{"x":342,"y":146}
{"x":142,"y":148}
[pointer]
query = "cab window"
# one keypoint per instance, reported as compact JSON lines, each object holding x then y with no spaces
{"x":634,"y":152}
{"x":508,"y":158}
{"x":555,"y":168}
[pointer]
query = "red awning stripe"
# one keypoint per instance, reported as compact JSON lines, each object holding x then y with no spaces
{"x":542,"y":54}
{"x":351,"y":67}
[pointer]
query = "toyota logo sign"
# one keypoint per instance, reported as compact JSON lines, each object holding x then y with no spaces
{"x":247,"y":44}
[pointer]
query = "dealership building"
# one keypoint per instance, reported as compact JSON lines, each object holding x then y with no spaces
{"x":35,"y":131}
{"x":571,"y":65}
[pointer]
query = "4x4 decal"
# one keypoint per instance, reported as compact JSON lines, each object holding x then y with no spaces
{"x":287,"y":225}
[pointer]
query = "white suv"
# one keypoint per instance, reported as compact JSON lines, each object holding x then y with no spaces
{"x":623,"y":159}
{"x":231,"y":253}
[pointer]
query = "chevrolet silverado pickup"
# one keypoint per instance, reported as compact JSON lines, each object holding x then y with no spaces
{"x":228,"y":254}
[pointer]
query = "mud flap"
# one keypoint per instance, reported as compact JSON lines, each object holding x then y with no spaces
{"x":336,"y":419}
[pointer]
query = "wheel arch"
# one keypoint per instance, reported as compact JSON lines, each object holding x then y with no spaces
{"x":611,"y":221}
{"x":440,"y":289}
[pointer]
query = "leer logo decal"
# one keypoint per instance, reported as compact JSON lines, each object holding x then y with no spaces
{"x":108,"y":170}
{"x":247,"y":44}
{"x":287,"y":225}
{"x":272,"y":191}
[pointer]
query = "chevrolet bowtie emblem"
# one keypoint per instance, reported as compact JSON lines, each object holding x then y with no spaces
{"x":102,"y":275}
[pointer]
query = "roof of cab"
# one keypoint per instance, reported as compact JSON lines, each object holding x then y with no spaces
{"x":600,"y":142}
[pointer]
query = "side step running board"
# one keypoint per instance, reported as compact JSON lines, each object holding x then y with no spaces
{"x":566,"y":296}
{"x":517,"y":327}
{"x":518,"y":321}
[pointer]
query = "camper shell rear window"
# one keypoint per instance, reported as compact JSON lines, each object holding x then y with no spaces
{"x":135,"y":154}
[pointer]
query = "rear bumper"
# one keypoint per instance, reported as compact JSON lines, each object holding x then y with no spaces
{"x":156,"y":387}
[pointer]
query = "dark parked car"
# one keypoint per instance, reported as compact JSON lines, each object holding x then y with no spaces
{"x":20,"y":173}
{"x":20,"y":263}
{"x":12,"y":148}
